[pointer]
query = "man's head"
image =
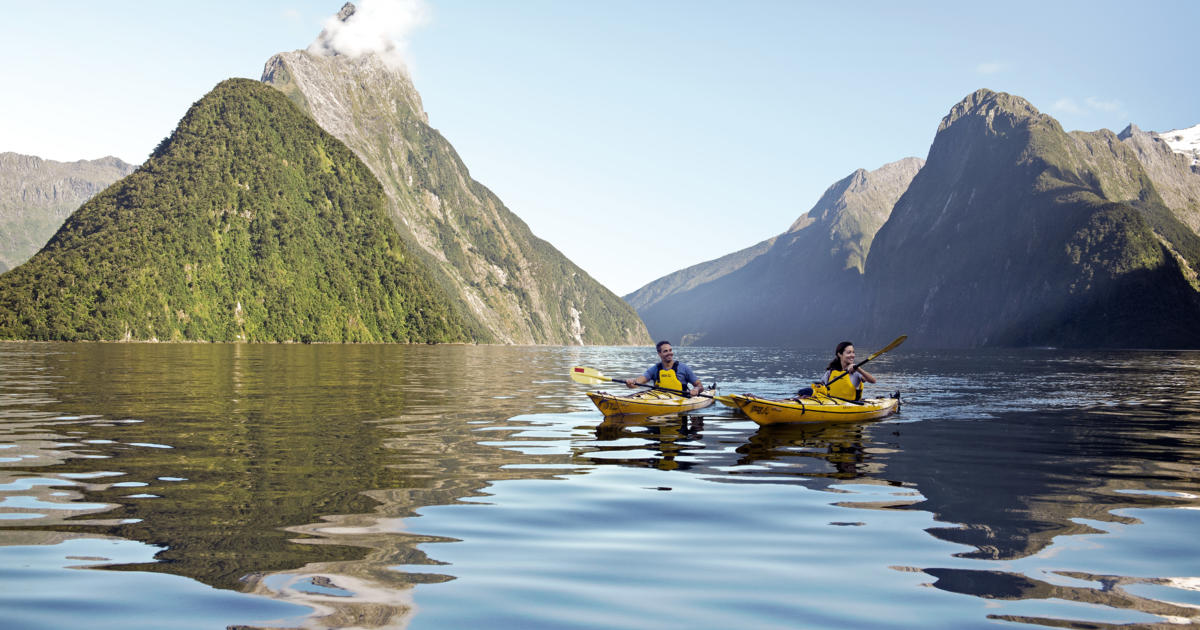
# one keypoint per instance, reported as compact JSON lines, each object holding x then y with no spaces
{"x":665,"y":352}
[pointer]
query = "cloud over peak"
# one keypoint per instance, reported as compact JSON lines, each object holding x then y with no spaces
{"x":375,"y":26}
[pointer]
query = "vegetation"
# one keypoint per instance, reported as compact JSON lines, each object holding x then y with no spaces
{"x":248,"y":223}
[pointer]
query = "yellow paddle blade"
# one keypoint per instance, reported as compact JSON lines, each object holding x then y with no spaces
{"x":588,"y":376}
{"x":891,"y":346}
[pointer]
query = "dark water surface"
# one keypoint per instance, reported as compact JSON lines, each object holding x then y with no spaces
{"x":329,"y":486}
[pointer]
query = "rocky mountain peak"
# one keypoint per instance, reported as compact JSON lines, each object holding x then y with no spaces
{"x":316,"y":82}
{"x":990,"y":106}
{"x":875,"y":190}
{"x":1129,"y":132}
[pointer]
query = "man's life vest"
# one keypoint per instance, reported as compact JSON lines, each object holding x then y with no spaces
{"x":844,"y":387}
{"x":667,"y":378}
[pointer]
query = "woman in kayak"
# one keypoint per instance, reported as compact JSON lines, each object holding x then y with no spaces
{"x":669,"y":373}
{"x":842,"y":379}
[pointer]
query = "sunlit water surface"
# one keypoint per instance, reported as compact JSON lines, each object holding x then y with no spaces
{"x":206,"y":486}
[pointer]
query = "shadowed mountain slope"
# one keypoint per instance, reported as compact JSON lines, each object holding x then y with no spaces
{"x":1017,"y":233}
{"x":800,"y":288}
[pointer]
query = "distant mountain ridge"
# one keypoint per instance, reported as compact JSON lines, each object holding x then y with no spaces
{"x":249,"y":223}
{"x":515,"y":286}
{"x":795,"y":288}
{"x":37,"y":195}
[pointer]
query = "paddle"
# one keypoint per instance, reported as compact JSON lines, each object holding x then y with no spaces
{"x":891,"y":346}
{"x":592,"y":376}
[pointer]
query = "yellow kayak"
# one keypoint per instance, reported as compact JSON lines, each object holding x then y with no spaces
{"x":817,"y":409}
{"x":647,"y":403}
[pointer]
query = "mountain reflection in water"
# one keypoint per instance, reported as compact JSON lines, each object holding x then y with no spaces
{"x":298,"y":473}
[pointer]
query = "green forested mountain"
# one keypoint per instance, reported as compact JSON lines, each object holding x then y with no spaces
{"x":1017,"y":233}
{"x":248,"y":223}
{"x":37,"y":195}
{"x":800,"y":288}
{"x":514,"y":286}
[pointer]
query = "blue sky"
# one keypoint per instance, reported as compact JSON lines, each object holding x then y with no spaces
{"x":636,"y":137}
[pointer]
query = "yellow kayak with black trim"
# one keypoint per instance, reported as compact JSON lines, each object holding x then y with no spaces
{"x":815,"y":409}
{"x":647,"y":403}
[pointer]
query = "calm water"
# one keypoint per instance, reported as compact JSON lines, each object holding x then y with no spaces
{"x":206,"y":486}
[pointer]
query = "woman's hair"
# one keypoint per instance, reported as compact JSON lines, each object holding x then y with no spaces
{"x":836,"y":363}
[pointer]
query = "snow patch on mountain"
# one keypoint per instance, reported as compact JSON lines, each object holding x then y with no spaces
{"x":1185,"y":141}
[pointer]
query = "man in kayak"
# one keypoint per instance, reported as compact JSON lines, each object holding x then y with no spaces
{"x":843,"y":379}
{"x":669,"y":373}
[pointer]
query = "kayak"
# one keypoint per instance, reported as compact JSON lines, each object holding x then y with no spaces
{"x":647,"y":403}
{"x":816,"y":409}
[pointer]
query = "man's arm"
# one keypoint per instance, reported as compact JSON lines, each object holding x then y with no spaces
{"x":634,"y":382}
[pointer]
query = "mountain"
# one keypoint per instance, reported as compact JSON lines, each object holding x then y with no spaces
{"x":696,"y":275}
{"x":36,"y":196}
{"x":517,"y":287}
{"x":1184,"y":141}
{"x":802,"y":287}
{"x":1017,"y":233}
{"x":248,"y":223}
{"x":1174,"y":173}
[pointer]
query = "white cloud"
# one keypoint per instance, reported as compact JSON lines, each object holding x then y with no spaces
{"x":1090,"y":105}
{"x":1103,"y":106}
{"x":376,"y":26}
{"x":1066,"y":105}
{"x":989,"y":68}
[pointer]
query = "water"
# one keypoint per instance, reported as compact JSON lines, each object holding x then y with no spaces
{"x":213,"y":486}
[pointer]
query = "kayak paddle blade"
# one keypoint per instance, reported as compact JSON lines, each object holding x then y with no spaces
{"x":588,"y":376}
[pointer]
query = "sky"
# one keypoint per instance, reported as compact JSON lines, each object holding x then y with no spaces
{"x":638,"y":137}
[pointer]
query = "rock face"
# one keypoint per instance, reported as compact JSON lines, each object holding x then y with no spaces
{"x":1175,"y":174}
{"x":802,"y":287}
{"x":1016,"y":233}
{"x":1185,"y":142}
{"x":515,"y":286}
{"x":249,"y":223}
{"x":36,"y":196}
